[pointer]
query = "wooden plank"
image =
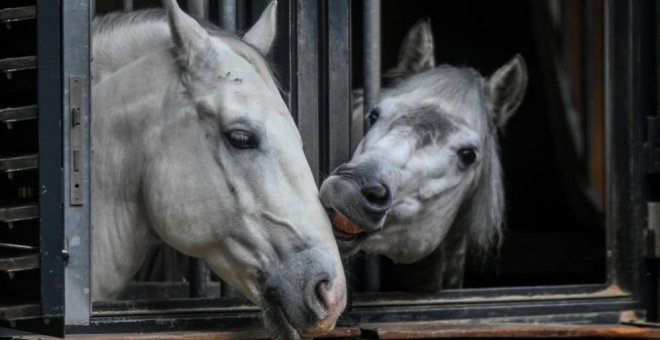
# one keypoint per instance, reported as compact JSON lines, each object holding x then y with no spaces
{"x":430,"y":330}
{"x":337,"y":333}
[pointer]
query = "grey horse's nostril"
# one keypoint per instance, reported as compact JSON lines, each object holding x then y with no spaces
{"x":378,"y":196}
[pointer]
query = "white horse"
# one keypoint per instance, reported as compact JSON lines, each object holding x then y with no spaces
{"x":194,"y":146}
{"x":427,"y":176}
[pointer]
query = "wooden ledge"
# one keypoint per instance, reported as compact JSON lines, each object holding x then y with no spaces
{"x":430,"y":330}
{"x":337,"y":333}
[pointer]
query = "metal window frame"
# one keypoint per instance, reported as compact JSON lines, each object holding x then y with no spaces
{"x":323,"y":126}
{"x":315,"y":43}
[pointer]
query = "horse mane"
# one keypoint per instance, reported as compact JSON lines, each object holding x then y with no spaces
{"x":121,"y":38}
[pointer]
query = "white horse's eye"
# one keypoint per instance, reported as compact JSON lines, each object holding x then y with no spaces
{"x":241,"y":139}
{"x":467,"y":155}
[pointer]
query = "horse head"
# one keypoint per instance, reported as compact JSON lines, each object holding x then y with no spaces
{"x":429,"y":160}
{"x":210,"y":161}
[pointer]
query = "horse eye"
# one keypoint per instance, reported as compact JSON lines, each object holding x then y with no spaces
{"x":373,"y":116}
{"x":467,"y":155}
{"x":241,"y":139}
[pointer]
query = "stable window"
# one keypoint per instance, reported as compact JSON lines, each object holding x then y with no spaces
{"x":579,"y":157}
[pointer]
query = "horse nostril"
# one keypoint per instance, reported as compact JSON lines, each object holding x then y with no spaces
{"x":317,"y":297}
{"x":322,"y":292}
{"x":377,"y":195}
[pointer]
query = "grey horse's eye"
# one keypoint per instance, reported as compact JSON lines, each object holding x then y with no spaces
{"x":467,"y":155}
{"x":373,"y":116}
{"x":241,"y":139}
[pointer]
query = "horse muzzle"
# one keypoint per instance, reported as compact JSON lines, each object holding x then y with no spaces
{"x":358,"y":202}
{"x":323,"y":287}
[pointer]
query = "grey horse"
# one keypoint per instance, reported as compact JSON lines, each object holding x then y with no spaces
{"x":426,"y":178}
{"x":193,"y":146}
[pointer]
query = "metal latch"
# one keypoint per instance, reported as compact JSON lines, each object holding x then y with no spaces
{"x":76,"y":107}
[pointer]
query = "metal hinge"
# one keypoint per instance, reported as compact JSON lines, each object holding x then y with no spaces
{"x":652,"y":146}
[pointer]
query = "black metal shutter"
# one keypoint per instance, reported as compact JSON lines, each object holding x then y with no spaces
{"x":31,"y":215}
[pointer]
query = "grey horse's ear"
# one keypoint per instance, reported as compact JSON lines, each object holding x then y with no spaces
{"x":506,"y":89}
{"x":262,"y":33}
{"x":191,"y":41}
{"x":417,"y":53}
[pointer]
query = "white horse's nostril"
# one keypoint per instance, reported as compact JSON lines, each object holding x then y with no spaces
{"x":332,"y":303}
{"x":317,"y":296}
{"x":322,"y":293}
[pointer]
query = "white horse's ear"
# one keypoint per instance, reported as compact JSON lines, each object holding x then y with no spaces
{"x":506,"y":89}
{"x":417,"y":53}
{"x":262,"y":33}
{"x":191,"y":41}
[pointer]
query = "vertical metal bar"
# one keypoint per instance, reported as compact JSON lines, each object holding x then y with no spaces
{"x":371,"y":64}
{"x":76,"y":124}
{"x":624,"y":108}
{"x":51,"y":194}
{"x":587,"y":79}
{"x":339,"y":82}
{"x":198,"y":277}
{"x":92,"y":8}
{"x":307,"y":86}
{"x":284,"y":52}
{"x":241,"y":14}
{"x":50,"y":156}
{"x":228,"y":15}
{"x":228,"y":291}
{"x":128,"y":5}
{"x":199,"y":8}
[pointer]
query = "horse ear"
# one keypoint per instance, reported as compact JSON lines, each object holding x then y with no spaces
{"x":262,"y":33}
{"x":506,"y":89}
{"x":417,"y":53}
{"x":191,"y":41}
